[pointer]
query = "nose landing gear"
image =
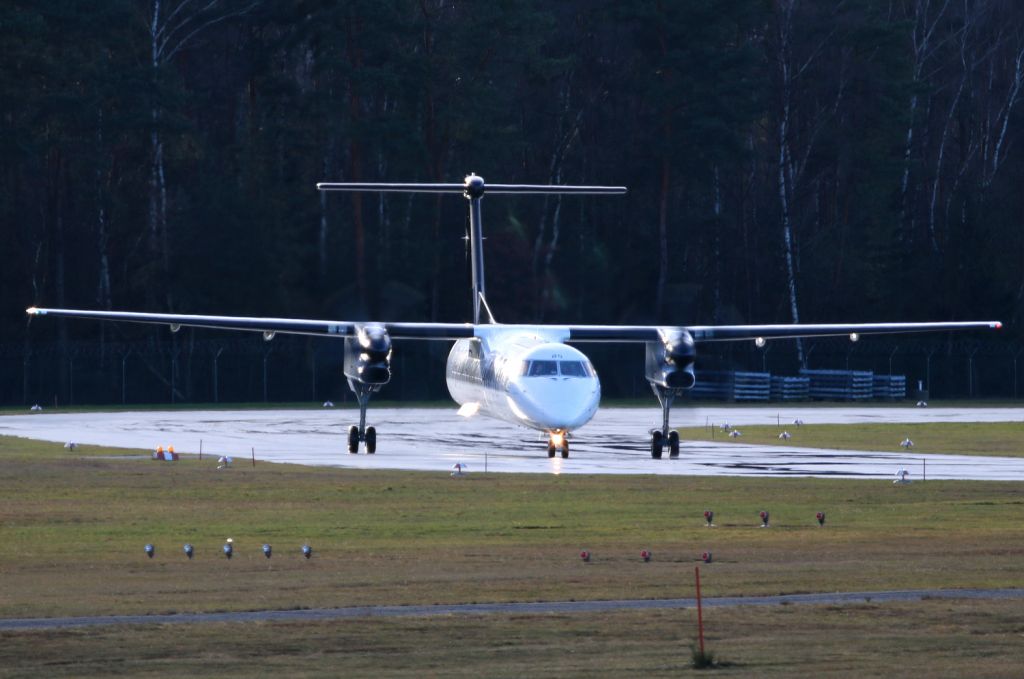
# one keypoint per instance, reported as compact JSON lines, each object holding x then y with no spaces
{"x":558,"y":440}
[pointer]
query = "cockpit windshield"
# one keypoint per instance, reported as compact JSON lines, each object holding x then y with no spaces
{"x":542,"y":368}
{"x":552,"y":368}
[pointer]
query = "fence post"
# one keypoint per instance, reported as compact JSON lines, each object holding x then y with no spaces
{"x":24,"y":378}
{"x":970,"y":372}
{"x":124,"y":376}
{"x":216,"y":385}
{"x":1015,"y":357}
{"x":266,"y":355}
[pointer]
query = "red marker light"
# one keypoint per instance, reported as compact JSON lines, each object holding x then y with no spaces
{"x":998,"y":325}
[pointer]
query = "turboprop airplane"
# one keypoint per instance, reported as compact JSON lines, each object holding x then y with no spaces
{"x":524,"y":374}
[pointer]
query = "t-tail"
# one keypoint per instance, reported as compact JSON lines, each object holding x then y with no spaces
{"x":473,"y":188}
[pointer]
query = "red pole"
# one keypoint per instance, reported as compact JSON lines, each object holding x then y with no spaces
{"x":700,"y":613}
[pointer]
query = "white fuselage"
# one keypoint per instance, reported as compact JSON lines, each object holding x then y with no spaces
{"x":525,"y":377}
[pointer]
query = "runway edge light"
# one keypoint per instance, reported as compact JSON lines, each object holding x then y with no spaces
{"x":705,"y":557}
{"x":585,"y":555}
{"x":150,"y":550}
{"x":820,"y":516}
{"x":188,"y":550}
{"x":645,"y":554}
{"x":709,"y":516}
{"x":764,"y":518}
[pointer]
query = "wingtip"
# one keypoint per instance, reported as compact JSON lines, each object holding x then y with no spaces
{"x":998,"y":325}
{"x":32,"y":311}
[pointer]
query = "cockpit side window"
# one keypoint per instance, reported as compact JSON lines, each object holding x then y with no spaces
{"x":542,"y":368}
{"x":572,"y":368}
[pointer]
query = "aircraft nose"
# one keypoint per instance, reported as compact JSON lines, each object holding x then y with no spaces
{"x":561,"y":403}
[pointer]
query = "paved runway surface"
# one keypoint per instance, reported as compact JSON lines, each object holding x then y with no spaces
{"x":533,"y":608}
{"x":615,"y":442}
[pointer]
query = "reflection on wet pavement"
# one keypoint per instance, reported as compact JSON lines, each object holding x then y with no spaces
{"x":615,"y":442}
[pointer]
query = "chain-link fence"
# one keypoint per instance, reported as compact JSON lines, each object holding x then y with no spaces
{"x":305,"y":369}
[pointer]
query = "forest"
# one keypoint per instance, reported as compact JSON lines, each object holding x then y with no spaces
{"x":787,"y":160}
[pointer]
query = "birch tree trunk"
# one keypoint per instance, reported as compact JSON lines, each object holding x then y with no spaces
{"x":172,"y":27}
{"x":786,"y":173}
{"x":923,"y":43}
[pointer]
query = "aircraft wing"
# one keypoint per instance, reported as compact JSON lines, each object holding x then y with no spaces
{"x":570,"y":333}
{"x":725,"y":333}
{"x":268,"y":326}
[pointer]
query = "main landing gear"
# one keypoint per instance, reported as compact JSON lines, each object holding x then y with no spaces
{"x":558,"y":440}
{"x":665,"y":438}
{"x":362,"y":433}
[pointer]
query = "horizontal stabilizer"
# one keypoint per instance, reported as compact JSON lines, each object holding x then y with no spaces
{"x":473,"y":185}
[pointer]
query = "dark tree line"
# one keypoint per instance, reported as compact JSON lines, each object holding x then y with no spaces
{"x":858,"y":160}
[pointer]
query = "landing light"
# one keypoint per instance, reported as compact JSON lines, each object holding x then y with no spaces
{"x":854,"y":337}
{"x":759,"y":341}
{"x":469,"y":409}
{"x":557,"y":439}
{"x":268,"y":335}
{"x":175,"y":327}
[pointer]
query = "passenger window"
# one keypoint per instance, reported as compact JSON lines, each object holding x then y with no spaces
{"x":542,"y":368}
{"x":572,"y":368}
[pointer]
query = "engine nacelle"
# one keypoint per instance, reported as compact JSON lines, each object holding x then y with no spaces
{"x":368,"y":356}
{"x":670,"y":361}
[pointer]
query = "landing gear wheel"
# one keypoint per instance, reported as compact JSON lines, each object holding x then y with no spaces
{"x":657,"y":444}
{"x":551,"y":449}
{"x":565,"y":449}
{"x":673,"y":443}
{"x":371,"y":440}
{"x":353,"y":439}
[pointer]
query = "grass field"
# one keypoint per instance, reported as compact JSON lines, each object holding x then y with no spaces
{"x":1004,"y":439}
{"x":926,"y":639}
{"x":73,"y":525}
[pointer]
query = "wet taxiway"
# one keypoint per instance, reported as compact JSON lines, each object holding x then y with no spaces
{"x":615,"y":442}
